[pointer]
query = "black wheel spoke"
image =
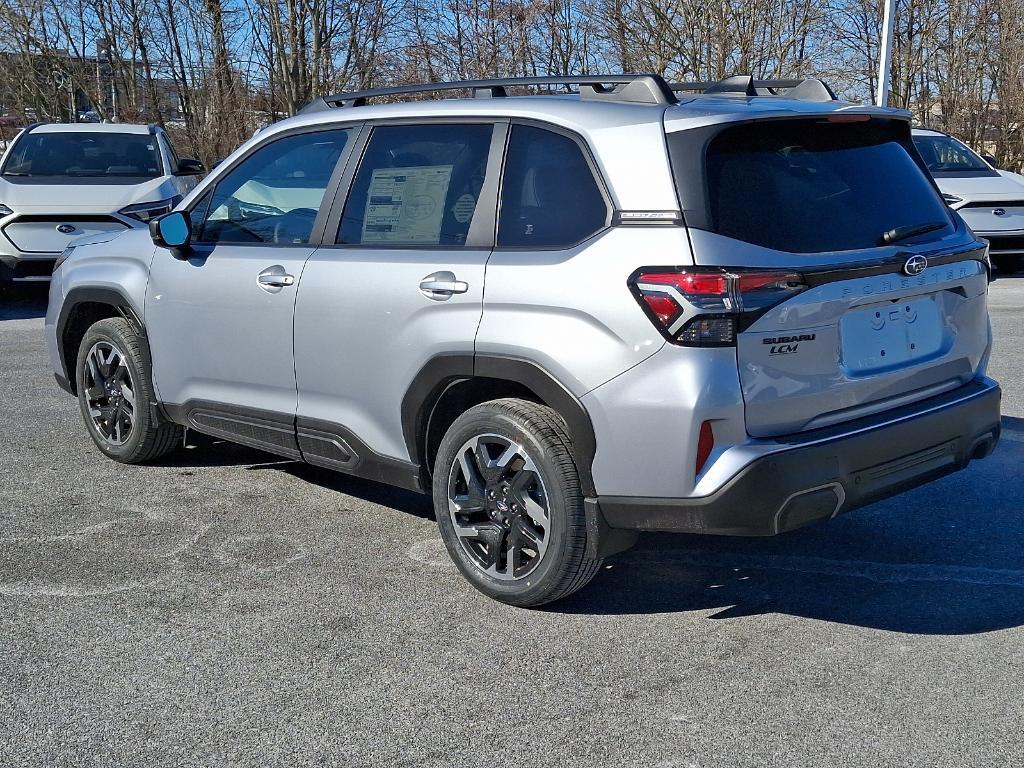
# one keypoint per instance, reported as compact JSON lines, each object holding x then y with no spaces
{"x":528,"y":534}
{"x":474,"y":498}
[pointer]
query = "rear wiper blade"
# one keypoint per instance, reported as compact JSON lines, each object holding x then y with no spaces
{"x":902,"y":233}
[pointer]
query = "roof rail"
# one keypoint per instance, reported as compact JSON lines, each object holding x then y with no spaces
{"x":640,"y":88}
{"x":645,"y":88}
{"x":807,"y":89}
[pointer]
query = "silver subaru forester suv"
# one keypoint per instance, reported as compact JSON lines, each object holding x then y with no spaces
{"x":726,"y":308}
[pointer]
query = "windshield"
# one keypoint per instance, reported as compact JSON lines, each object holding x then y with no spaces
{"x":944,"y":154}
{"x":812,"y":186}
{"x":85,"y":155}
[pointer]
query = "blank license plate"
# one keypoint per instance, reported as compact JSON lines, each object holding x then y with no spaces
{"x":892,"y":336}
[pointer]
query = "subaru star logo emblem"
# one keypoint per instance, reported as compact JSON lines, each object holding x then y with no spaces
{"x":999,"y":212}
{"x":65,"y":229}
{"x":915,"y":265}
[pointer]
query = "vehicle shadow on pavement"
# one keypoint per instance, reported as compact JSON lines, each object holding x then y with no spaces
{"x":944,"y":559}
{"x":23,"y":301}
{"x":409,"y":502}
{"x":205,"y":451}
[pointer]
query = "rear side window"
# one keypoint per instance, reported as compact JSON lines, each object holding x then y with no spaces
{"x":549,"y":196}
{"x":417,"y":185}
{"x":813,"y":186}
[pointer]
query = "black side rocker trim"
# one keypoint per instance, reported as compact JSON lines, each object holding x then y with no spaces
{"x":316,"y":442}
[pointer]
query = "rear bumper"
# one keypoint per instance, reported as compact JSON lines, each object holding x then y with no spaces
{"x":818,"y":475}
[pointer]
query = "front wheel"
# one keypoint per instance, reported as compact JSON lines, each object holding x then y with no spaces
{"x":509,"y":505}
{"x":115,"y":394}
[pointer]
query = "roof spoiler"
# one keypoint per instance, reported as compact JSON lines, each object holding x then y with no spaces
{"x":807,"y":89}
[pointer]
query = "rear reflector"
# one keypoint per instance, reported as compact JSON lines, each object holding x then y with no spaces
{"x":705,"y":444}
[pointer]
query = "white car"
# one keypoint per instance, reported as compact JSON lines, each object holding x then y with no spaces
{"x":990,"y":200}
{"x":61,"y":182}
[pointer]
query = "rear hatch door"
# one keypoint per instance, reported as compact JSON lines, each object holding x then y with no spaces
{"x":895,"y":304}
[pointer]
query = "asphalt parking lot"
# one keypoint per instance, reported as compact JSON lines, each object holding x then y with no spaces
{"x":229,"y":608}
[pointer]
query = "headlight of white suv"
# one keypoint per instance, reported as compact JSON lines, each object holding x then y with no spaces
{"x":146,"y":211}
{"x":951,"y":199}
{"x":4,"y":210}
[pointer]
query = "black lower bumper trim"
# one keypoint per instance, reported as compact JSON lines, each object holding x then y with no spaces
{"x":13,"y":268}
{"x":825,"y":473}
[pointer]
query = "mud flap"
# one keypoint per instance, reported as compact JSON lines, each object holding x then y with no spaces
{"x":603,"y":540}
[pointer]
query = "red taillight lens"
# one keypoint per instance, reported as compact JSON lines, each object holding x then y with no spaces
{"x":691,"y":284}
{"x":705,"y":445}
{"x":705,"y":307}
{"x":663,"y":307}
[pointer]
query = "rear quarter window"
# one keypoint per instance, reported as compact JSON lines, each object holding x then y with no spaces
{"x":549,"y":196}
{"x":813,"y":186}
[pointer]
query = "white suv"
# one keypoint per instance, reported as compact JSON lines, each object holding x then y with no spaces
{"x":59,"y":183}
{"x":990,"y":200}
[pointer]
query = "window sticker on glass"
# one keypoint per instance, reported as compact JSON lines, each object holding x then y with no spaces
{"x":406,"y":205}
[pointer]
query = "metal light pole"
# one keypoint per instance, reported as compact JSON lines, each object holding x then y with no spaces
{"x":885,"y":54}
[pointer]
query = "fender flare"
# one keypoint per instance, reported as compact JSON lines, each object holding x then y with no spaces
{"x":442,"y":371}
{"x":91,"y":295}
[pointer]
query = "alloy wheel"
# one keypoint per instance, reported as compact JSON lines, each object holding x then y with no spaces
{"x":110,"y":393}
{"x":499,"y":507}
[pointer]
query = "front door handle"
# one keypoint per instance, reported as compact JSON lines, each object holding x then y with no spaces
{"x":441,"y":286}
{"x":273,"y":279}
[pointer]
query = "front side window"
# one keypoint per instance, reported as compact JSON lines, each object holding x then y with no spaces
{"x":417,"y":185}
{"x":811,"y":186}
{"x":549,"y":197}
{"x":85,"y":155}
{"x":275,"y":194}
{"x":945,"y":156}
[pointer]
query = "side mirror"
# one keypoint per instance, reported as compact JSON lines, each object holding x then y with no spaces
{"x":989,"y":159}
{"x":172,"y":230}
{"x":189,"y":167}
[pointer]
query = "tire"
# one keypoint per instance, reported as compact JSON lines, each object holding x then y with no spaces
{"x":517,"y":527}
{"x":111,"y":370}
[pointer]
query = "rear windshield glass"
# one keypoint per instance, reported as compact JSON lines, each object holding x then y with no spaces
{"x":85,"y":155}
{"x":945,"y":156}
{"x":813,"y":186}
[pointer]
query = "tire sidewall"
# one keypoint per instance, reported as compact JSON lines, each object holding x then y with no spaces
{"x":111,"y":333}
{"x":547,"y":576}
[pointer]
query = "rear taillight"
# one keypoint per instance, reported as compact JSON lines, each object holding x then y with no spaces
{"x":708,"y":307}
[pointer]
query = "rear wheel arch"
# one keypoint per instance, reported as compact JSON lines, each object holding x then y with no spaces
{"x":82,"y":308}
{"x":449,"y":385}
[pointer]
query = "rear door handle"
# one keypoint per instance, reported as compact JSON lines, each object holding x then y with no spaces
{"x":441,"y":286}
{"x":274,"y":277}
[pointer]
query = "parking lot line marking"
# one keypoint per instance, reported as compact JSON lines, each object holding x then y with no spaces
{"x":885,"y":573}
